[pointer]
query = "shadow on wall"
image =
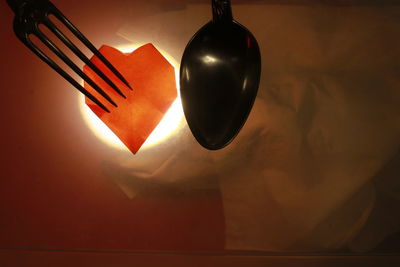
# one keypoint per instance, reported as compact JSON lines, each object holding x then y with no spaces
{"x":315,"y":167}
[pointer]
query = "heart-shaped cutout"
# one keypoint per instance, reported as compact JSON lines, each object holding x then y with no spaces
{"x":152,"y":78}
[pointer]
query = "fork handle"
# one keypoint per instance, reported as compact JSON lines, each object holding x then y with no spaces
{"x":18,"y":4}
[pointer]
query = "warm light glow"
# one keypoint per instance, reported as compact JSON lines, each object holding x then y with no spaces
{"x":210,"y":60}
{"x":171,"y":122}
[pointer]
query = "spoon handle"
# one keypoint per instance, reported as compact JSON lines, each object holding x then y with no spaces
{"x":222,"y":11}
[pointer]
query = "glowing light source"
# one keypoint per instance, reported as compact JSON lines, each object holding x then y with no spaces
{"x":171,"y":122}
{"x":210,"y":60}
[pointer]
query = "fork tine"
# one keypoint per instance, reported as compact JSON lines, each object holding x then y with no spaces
{"x":57,"y":13}
{"x":81,"y":55}
{"x":60,"y":71}
{"x":72,"y":65}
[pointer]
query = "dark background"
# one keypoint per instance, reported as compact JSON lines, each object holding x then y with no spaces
{"x":53,"y":191}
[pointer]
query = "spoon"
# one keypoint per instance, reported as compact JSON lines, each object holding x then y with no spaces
{"x":219,"y":78}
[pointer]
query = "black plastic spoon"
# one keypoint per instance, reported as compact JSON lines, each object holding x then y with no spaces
{"x":219,"y":78}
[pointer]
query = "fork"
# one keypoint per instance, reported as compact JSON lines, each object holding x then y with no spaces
{"x":29,"y":14}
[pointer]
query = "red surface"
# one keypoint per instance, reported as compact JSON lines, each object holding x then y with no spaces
{"x":54,"y":207}
{"x":89,"y":259}
{"x":53,"y":191}
{"x":152,"y":78}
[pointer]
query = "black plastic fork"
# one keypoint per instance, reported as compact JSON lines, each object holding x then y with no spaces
{"x":30,"y":14}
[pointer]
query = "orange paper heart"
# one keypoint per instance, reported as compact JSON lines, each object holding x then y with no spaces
{"x":152,"y":78}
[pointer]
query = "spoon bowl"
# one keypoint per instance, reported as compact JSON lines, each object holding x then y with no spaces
{"x":219,"y":78}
